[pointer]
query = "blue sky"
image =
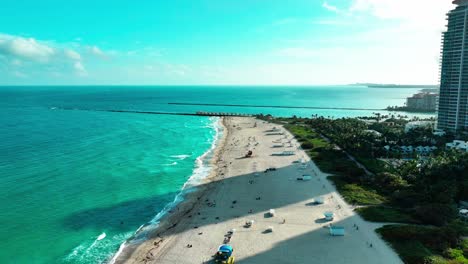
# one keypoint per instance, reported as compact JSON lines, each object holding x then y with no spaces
{"x":220,"y":41}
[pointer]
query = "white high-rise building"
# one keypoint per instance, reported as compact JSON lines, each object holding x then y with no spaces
{"x":452,"y":112}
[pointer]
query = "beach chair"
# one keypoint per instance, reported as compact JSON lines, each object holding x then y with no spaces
{"x":328,"y":216}
{"x":249,"y":223}
{"x":272,"y":212}
{"x":318,"y":200}
{"x":304,"y":178}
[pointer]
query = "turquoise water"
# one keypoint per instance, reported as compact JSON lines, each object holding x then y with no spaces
{"x":68,"y":178}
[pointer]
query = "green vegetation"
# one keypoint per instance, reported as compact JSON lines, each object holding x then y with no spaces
{"x":409,"y":109}
{"x":416,"y":190}
{"x":356,"y":194}
{"x":374,"y":165}
{"x":324,"y":154}
{"x":427,"y":245}
{"x":386,"y":214}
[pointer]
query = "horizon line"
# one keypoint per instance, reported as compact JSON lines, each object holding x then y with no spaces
{"x":226,"y":85}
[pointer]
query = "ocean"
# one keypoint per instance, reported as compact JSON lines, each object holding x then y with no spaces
{"x":74,"y":185}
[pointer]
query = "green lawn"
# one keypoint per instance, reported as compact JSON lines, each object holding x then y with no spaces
{"x":355,"y":194}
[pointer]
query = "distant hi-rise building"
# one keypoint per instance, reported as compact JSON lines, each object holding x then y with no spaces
{"x":452,"y":114}
{"x":422,"y":101}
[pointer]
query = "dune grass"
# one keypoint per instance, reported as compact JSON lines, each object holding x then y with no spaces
{"x":357,"y":194}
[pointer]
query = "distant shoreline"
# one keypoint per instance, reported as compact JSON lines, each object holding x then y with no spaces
{"x":411,"y":86}
{"x":409,"y":110}
{"x":277,"y":106}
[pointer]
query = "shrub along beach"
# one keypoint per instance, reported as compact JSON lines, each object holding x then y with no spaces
{"x":387,"y":183}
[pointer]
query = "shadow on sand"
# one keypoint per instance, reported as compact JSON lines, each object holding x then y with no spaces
{"x":295,"y":250}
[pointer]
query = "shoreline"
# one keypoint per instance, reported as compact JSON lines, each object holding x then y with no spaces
{"x":169,"y":217}
{"x":241,"y":190}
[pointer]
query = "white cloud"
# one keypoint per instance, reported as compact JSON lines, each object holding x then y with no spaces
{"x":26,"y":48}
{"x":387,"y":40}
{"x":80,"y":69}
{"x":329,"y":7}
{"x":428,"y":13}
{"x":27,"y":57}
{"x":96,"y":51}
{"x":71,"y":54}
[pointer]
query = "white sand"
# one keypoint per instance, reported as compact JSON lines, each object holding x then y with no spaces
{"x":303,"y":238}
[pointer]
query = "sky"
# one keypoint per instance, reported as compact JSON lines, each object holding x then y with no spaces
{"x":220,"y":42}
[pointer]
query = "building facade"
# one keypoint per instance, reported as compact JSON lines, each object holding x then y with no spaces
{"x":422,"y":101}
{"x":452,"y":107}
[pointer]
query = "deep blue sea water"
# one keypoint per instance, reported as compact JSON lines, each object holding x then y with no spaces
{"x":69,"y":177}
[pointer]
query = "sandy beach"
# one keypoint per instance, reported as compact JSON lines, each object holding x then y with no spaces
{"x":241,"y":189}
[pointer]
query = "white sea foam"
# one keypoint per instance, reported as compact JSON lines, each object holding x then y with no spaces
{"x":101,"y":236}
{"x":201,"y":170}
{"x":181,"y":157}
